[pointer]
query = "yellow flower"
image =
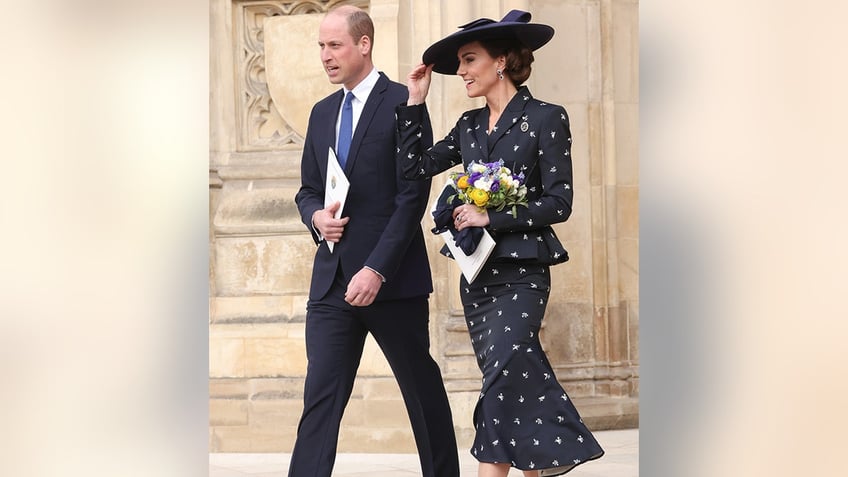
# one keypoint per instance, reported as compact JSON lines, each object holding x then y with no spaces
{"x":479,"y":196}
{"x":462,"y":182}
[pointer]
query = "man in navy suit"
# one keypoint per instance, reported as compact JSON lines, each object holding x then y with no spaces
{"x":377,"y":277}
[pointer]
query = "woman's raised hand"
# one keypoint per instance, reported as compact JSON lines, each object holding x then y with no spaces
{"x":418,"y":82}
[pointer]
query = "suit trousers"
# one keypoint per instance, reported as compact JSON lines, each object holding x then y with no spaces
{"x":335,"y":336}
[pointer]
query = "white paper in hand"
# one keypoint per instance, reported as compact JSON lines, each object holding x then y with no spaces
{"x":335,"y":190}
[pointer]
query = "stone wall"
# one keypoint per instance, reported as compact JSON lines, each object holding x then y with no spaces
{"x":264,"y":77}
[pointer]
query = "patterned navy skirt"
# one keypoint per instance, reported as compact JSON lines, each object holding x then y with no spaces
{"x":523,"y":416}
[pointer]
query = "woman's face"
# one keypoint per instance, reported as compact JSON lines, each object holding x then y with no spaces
{"x":477,"y":69}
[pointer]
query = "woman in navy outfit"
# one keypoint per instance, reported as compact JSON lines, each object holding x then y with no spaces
{"x":523,"y":417}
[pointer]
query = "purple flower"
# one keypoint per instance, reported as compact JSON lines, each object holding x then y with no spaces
{"x":496,"y":186}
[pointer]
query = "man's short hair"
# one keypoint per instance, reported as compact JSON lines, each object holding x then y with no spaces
{"x":359,"y":24}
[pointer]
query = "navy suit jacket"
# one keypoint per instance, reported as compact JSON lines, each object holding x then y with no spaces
{"x":385,"y":210}
{"x":532,"y":137}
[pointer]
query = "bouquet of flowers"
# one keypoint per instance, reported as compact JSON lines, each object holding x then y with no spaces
{"x":489,"y":185}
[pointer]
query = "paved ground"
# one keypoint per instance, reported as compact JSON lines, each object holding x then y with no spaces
{"x":621,"y":460}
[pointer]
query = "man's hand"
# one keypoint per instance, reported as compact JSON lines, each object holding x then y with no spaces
{"x":363,"y":287}
{"x":330,"y":227}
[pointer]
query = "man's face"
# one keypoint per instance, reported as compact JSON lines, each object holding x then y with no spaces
{"x":343,"y":58}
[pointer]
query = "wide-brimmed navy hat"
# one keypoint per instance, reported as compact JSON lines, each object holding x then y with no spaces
{"x":515,"y":25}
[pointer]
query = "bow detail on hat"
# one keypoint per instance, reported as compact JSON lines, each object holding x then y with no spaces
{"x":513,"y":16}
{"x":476,"y":23}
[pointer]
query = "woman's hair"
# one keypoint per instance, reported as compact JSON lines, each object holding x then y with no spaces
{"x":518,"y":58}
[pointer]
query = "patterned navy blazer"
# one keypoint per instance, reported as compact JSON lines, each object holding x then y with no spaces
{"x":532,"y":137}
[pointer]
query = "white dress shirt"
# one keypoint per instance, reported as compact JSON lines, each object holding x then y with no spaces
{"x":360,"y":96}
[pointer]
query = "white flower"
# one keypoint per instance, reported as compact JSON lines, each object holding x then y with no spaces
{"x":483,"y":183}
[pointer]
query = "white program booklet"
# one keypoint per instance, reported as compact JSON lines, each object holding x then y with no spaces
{"x":336,"y":187}
{"x":469,"y":264}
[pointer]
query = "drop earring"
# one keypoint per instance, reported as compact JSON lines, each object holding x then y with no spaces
{"x":500,"y":74}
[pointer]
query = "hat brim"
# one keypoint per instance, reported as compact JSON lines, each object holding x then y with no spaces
{"x":442,"y":54}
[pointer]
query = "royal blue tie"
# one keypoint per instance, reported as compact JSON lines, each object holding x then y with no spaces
{"x":345,"y":129}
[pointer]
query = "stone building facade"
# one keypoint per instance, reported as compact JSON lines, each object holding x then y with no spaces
{"x":265,"y":74}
